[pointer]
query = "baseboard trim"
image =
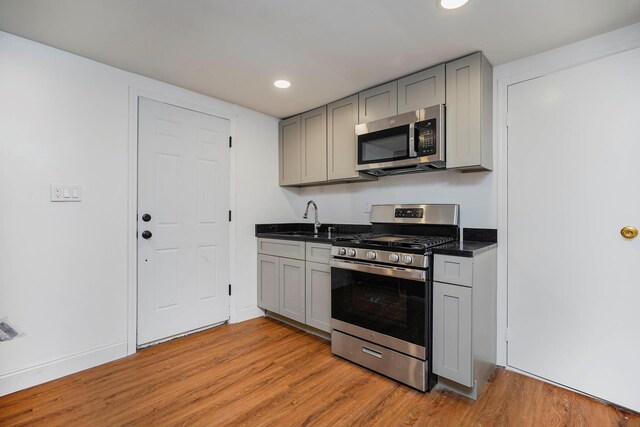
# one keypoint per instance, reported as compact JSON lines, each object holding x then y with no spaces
{"x":248,"y":313}
{"x":28,"y":377}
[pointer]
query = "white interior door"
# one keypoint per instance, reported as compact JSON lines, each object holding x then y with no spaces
{"x":183,"y":185}
{"x":573,"y":280}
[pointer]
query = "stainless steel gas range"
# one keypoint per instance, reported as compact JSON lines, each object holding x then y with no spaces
{"x":381,"y":291}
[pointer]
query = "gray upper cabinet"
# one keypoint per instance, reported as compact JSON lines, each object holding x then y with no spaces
{"x":469,"y":113}
{"x":313,"y":156}
{"x":378,"y":102}
{"x":289,"y":148}
{"x":422,"y":89}
{"x":320,"y":146}
{"x":342,"y":118}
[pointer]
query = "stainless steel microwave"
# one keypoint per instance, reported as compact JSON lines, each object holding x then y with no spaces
{"x":409,"y":142}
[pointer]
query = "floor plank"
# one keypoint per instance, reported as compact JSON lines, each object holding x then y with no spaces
{"x":265,"y":373}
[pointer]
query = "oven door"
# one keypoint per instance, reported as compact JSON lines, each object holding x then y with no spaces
{"x":383,"y":304}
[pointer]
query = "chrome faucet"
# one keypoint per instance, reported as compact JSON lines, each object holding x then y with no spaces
{"x":316,"y":223}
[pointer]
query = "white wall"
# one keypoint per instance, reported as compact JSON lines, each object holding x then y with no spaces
{"x":63,"y":266}
{"x":345,"y":203}
{"x":259,"y":200}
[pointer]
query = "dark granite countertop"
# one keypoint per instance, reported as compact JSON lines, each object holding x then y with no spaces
{"x":304,"y":231}
{"x":479,"y":239}
{"x":476,"y":241}
{"x":465,"y":249}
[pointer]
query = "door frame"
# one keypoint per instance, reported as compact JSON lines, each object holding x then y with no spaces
{"x":515,"y":72}
{"x":228,"y":112}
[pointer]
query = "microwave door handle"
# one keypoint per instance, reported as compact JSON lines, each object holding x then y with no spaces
{"x":412,"y":140}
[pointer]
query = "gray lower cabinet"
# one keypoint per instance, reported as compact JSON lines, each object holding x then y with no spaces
{"x":464,"y":321}
{"x":292,"y":289}
{"x":294,"y":281}
{"x":378,"y":102}
{"x":269,"y":282}
{"x":452,"y":332}
{"x":469,"y":117}
{"x":318,"y":294}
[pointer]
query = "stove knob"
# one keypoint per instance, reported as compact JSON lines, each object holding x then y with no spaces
{"x":351,"y":252}
{"x":394,"y":257}
{"x":407,"y":259}
{"x":371,"y":255}
{"x":342,"y":251}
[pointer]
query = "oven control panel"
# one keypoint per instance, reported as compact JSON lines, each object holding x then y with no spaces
{"x":379,"y":256}
{"x":409,"y":213}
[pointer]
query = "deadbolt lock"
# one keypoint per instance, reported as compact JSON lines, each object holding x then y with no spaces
{"x":629,"y":232}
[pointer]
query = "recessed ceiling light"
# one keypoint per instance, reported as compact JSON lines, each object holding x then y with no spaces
{"x":282,"y":84}
{"x":451,"y":4}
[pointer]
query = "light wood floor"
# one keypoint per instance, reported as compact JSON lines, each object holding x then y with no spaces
{"x":262,"y":372}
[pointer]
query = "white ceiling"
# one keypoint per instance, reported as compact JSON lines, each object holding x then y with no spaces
{"x":328,"y":49}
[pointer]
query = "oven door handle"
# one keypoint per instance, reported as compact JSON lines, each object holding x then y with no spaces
{"x":379,"y":270}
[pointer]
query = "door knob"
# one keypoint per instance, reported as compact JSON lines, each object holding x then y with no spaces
{"x":146,"y":217}
{"x":629,"y":232}
{"x":146,"y":234}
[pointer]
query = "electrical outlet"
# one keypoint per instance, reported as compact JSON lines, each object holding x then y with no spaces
{"x":367,"y":207}
{"x":66,"y":193}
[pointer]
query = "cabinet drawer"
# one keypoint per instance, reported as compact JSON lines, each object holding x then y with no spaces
{"x":318,"y":252}
{"x":396,"y":365}
{"x":282,"y":248}
{"x":453,"y":269}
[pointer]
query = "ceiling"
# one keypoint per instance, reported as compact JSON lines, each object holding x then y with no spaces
{"x":235,"y":49}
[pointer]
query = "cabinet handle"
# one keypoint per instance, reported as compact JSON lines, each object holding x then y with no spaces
{"x":373,"y":353}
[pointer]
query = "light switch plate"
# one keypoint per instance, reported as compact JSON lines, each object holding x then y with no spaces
{"x":66,"y":193}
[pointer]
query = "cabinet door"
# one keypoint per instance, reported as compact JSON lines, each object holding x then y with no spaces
{"x":318,"y":296}
{"x":292,"y":289}
{"x":452,"y":333}
{"x":378,"y":102}
{"x":289,"y":151}
{"x":314,"y":145}
{"x":469,"y":113}
{"x":269,"y":283}
{"x":421,"y":90}
{"x":341,"y":138}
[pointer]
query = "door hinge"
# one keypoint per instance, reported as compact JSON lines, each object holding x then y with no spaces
{"x":507,"y":334}
{"x":507,"y":119}
{"x":230,"y":142}
{"x":229,"y":215}
{"x":229,"y":289}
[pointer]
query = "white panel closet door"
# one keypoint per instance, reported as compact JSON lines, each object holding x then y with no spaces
{"x":574,"y":179}
{"x":183,"y":184}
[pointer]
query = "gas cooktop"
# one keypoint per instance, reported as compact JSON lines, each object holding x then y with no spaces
{"x":393,"y":241}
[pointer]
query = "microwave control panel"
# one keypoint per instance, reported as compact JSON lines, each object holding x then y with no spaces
{"x":426,"y":137}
